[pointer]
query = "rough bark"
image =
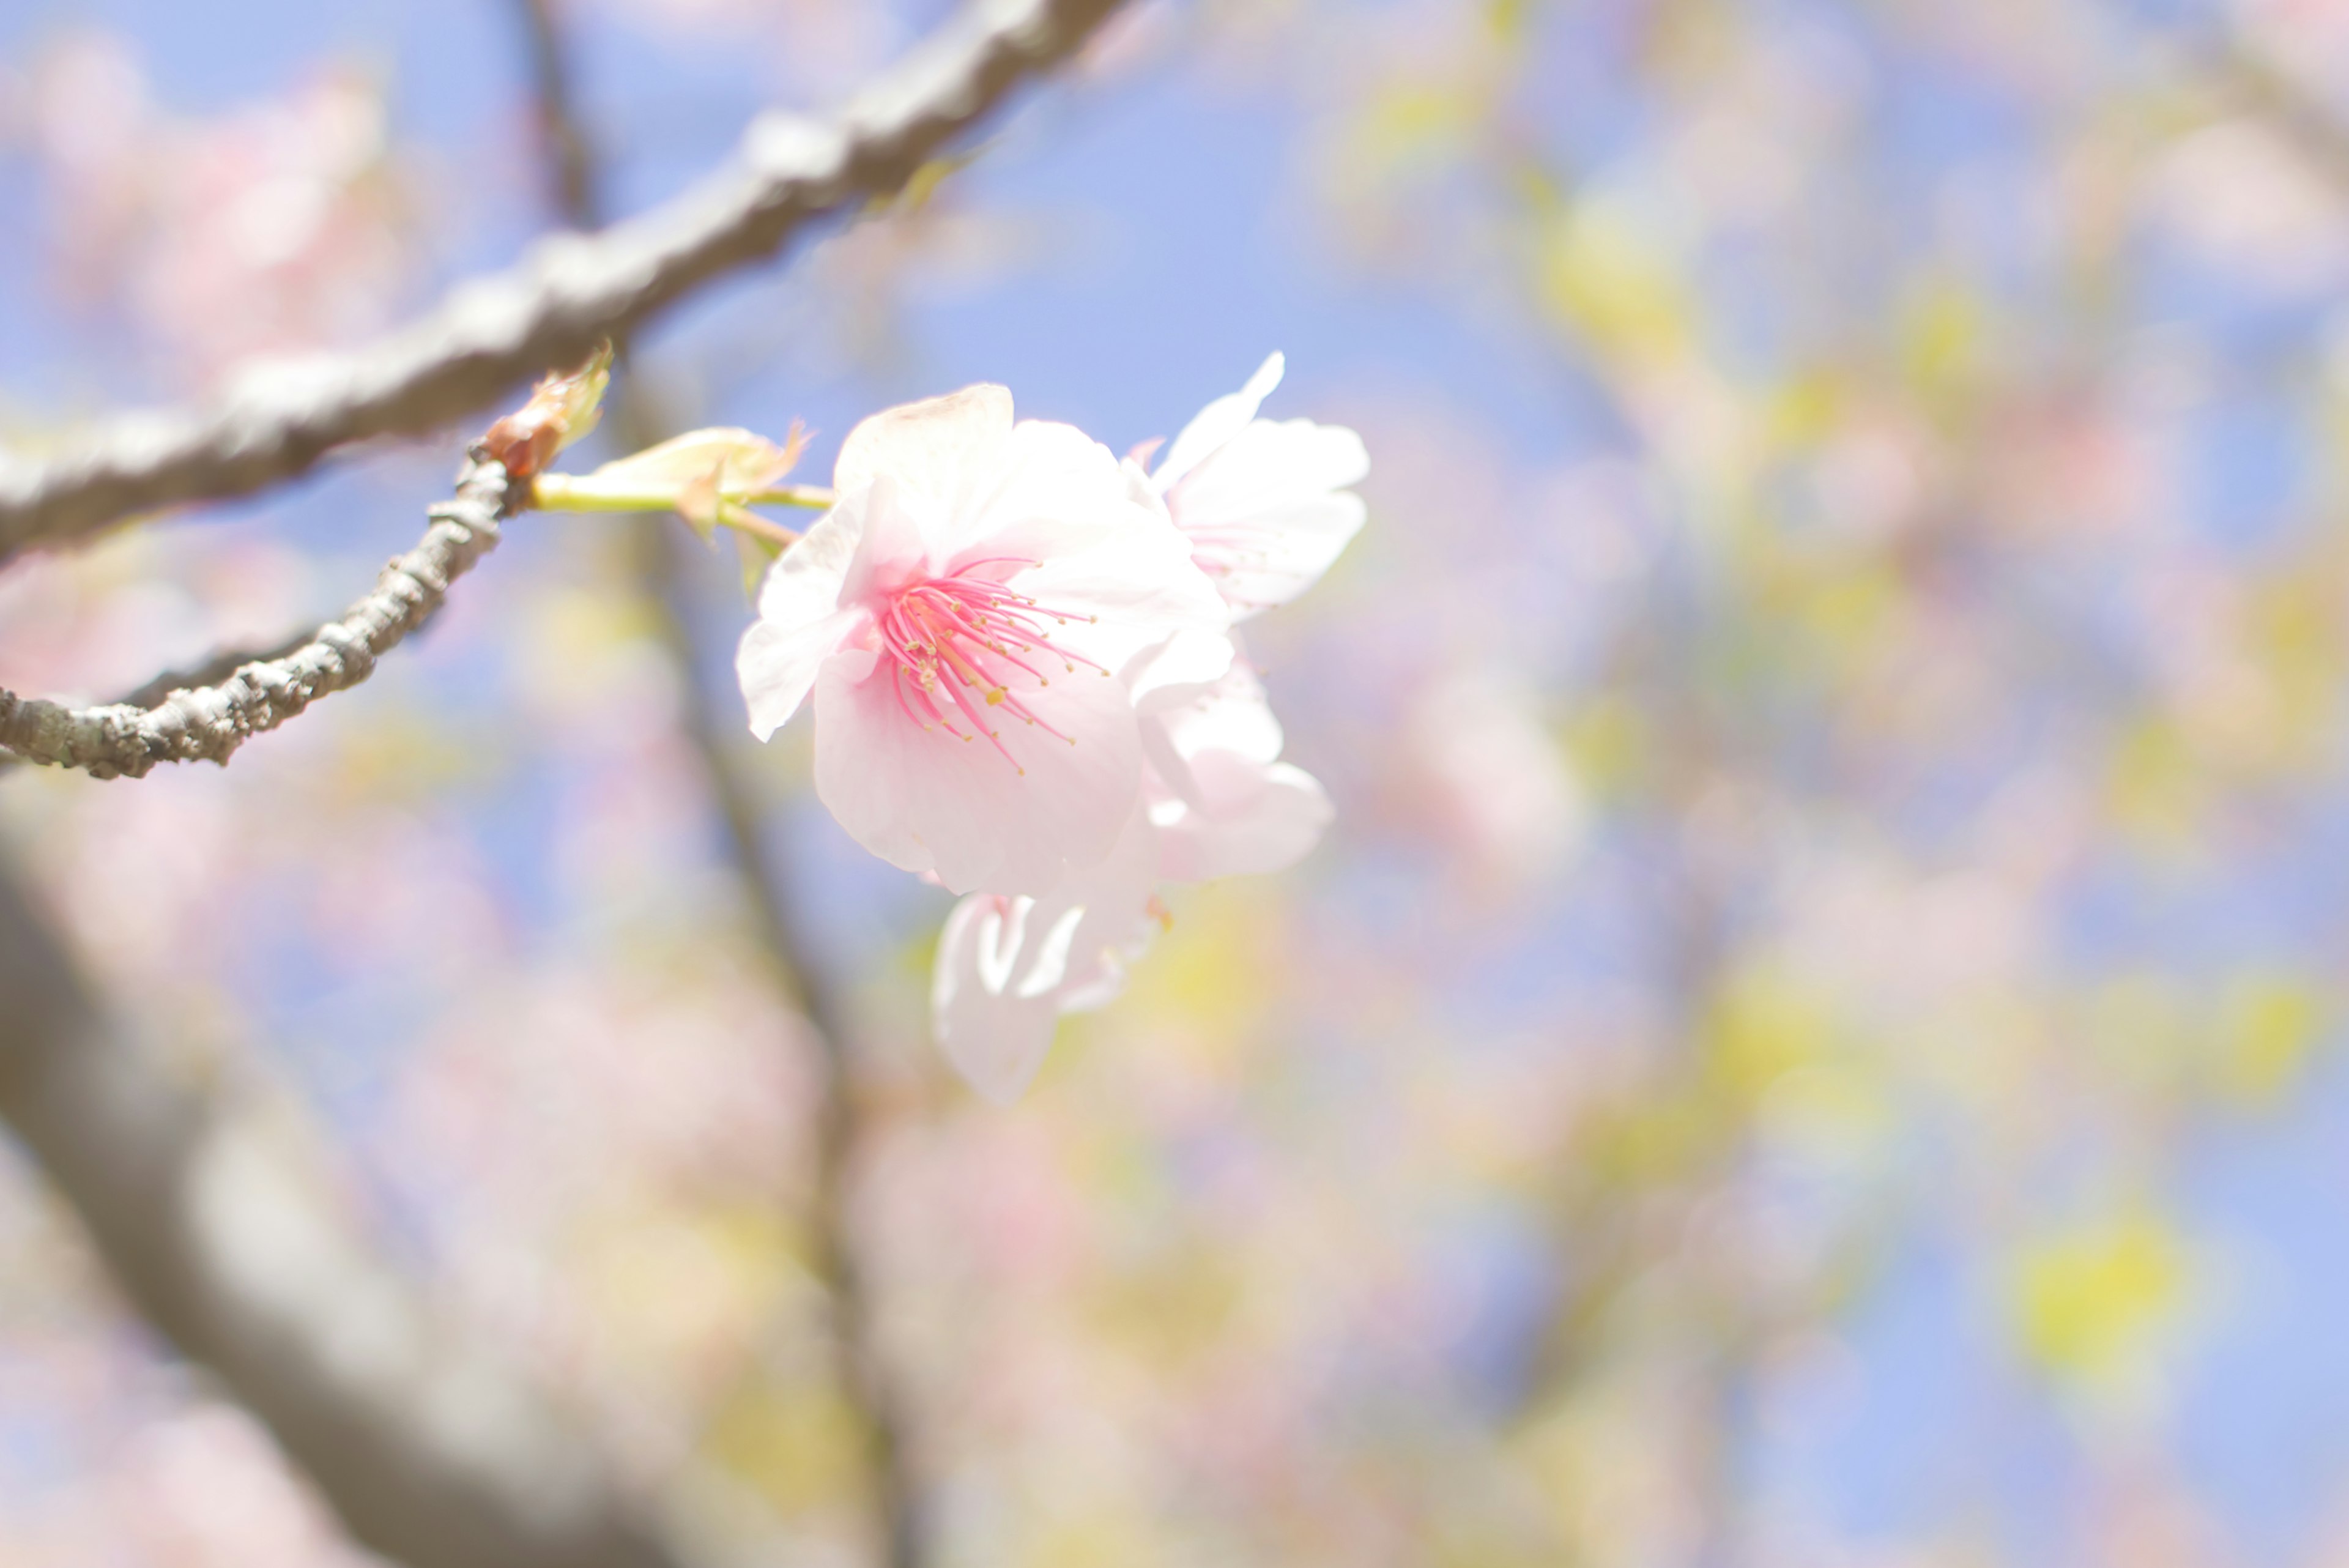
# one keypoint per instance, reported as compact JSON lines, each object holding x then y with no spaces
{"x":571,"y":292}
{"x":207,"y":722}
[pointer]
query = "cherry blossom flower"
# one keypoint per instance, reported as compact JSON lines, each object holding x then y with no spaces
{"x":1215,"y":801}
{"x":1264,"y":503}
{"x":959,"y":616}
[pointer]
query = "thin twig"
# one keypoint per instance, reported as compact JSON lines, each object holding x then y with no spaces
{"x":570,"y":293}
{"x":710,"y":718}
{"x":208,"y":722}
{"x":429,"y":1452}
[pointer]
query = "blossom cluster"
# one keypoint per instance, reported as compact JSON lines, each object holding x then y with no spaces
{"x":1027,"y":684}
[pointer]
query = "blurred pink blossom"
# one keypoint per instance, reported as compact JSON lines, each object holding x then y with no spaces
{"x":272,"y":228}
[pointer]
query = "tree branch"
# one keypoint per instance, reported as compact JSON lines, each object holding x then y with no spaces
{"x":429,"y":1453}
{"x":662,"y":557}
{"x":571,"y":292}
{"x":208,"y":722}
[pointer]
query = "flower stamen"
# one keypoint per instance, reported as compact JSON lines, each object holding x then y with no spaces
{"x":958,"y":637}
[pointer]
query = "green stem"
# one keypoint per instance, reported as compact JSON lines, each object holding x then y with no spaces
{"x":562,"y":493}
{"x":814,"y":497}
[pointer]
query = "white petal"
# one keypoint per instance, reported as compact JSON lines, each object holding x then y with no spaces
{"x":1008,"y":967}
{"x":1268,"y":820}
{"x":803,"y":585}
{"x":945,"y":451}
{"x":1229,"y":713}
{"x":893,"y":543}
{"x":1179,"y":668}
{"x":1218,"y":423}
{"x":995,"y":1041}
{"x":923,"y":800}
{"x":799,"y":620}
{"x":1265,"y":514}
{"x":1134,"y":589}
{"x":1057,"y":491}
{"x":778,"y":667}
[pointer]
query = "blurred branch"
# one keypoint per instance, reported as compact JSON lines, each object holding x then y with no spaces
{"x":714,"y":727}
{"x":864,"y":1380}
{"x":570,"y":293}
{"x":2285,"y":101}
{"x":429,"y":1452}
{"x":207,"y":722}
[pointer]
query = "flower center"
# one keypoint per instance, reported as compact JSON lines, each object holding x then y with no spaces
{"x":953,"y":643}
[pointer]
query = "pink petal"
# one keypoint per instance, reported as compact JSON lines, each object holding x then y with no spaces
{"x":926,"y":801}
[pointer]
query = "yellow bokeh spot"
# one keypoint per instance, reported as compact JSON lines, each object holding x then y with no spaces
{"x":1410,"y":123}
{"x":2091,"y":1305}
{"x":2155,"y":786}
{"x":1765,"y":1025}
{"x":1942,"y":332}
{"x":1212,"y":969}
{"x":1614,"y":286}
{"x":796,"y":1447}
{"x":2268,"y":1028}
{"x":1806,"y":410}
{"x":1608,"y":746}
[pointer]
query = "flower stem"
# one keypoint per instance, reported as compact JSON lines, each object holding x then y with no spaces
{"x":565,"y":493}
{"x":814,"y":497}
{"x":561,"y":492}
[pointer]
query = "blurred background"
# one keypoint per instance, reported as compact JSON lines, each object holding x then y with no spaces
{"x":1811,"y":1041}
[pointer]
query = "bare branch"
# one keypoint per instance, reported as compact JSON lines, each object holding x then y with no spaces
{"x":212,"y":671}
{"x":208,"y":722}
{"x":552,"y":309}
{"x":428,"y":1451}
{"x":712,"y":723}
{"x":866,"y":1383}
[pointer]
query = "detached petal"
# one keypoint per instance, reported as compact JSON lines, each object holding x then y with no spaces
{"x":945,"y":452}
{"x":1218,"y":423}
{"x":925,"y":800}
